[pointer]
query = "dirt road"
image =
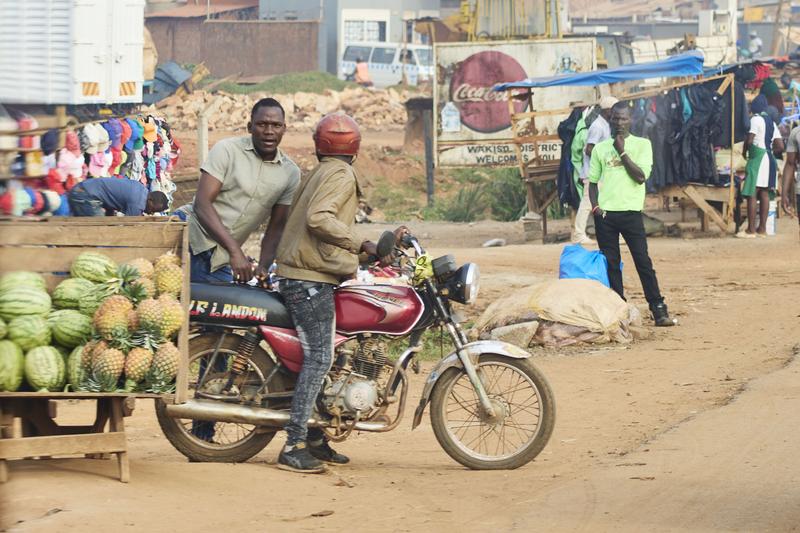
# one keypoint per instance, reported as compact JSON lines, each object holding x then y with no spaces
{"x":693,"y":429}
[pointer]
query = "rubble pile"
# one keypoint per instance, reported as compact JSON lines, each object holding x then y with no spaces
{"x":373,"y":109}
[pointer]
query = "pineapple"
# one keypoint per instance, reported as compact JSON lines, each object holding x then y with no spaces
{"x":149,"y":338}
{"x":137,"y":364}
{"x":107,"y":367}
{"x":148,"y":287}
{"x":149,"y":313}
{"x":167,"y":258}
{"x":171,"y":315}
{"x":142,"y":266}
{"x":165,"y":361}
{"x":169,"y":279}
{"x":133,"y":321}
{"x":111,"y":318}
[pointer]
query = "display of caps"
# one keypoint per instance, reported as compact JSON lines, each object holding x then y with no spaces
{"x":7,"y":202}
{"x":72,"y":143}
{"x":63,"y":209}
{"x":49,"y":142}
{"x":22,"y":202}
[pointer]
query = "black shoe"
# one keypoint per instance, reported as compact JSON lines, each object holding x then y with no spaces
{"x":300,"y":460}
{"x":661,"y":315}
{"x":325,"y":453}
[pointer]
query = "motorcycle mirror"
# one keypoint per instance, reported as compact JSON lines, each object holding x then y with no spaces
{"x":386,"y":243}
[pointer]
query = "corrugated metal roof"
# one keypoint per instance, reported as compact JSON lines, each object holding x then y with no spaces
{"x":202,"y":9}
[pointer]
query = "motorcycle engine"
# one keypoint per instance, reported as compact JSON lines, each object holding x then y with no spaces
{"x":351,"y":393}
{"x":358,"y":390}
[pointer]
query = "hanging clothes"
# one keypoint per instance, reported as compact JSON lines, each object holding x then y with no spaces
{"x":567,"y":193}
{"x":742,"y":114}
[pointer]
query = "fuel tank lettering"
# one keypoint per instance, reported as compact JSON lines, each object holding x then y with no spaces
{"x":236,"y":312}
{"x":197,"y":307}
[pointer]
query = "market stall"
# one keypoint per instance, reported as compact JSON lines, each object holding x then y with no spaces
{"x":51,"y":273}
{"x":39,"y":164}
{"x":686,"y":119}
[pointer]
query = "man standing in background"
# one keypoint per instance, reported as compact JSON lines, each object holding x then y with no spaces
{"x":622,"y":164}
{"x":790,"y":173}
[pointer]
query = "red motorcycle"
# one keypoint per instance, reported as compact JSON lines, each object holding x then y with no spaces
{"x":490,"y":406}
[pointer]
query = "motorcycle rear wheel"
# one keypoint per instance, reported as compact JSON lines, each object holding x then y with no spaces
{"x":248,"y":440}
{"x":525,"y":410}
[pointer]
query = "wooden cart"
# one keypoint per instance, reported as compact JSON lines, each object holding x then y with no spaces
{"x":48,"y":246}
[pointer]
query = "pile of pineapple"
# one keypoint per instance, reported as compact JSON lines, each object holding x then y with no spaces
{"x":136,"y":321}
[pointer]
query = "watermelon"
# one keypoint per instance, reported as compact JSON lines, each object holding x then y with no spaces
{"x":45,"y":369}
{"x":94,"y":267}
{"x":29,"y":331}
{"x":23,"y":300}
{"x":70,"y":291}
{"x":70,"y":328}
{"x":22,"y":278}
{"x":76,"y":374}
{"x":3,"y":329}
{"x":12,"y":366}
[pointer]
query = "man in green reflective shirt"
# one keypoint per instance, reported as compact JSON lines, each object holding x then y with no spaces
{"x":621,"y":165}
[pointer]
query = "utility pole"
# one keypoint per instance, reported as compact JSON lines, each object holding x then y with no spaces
{"x":776,"y":32}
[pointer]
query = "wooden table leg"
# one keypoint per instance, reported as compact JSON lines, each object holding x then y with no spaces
{"x":6,"y":432}
{"x":117,"y":424}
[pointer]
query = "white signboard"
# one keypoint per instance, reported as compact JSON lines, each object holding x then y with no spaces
{"x":472,"y":122}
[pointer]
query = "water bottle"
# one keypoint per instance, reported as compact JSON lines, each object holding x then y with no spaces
{"x":772,"y":215}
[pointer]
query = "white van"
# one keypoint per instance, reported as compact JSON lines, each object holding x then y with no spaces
{"x":387,"y":61}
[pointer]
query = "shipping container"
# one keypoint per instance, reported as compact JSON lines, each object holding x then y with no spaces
{"x":71,"y":52}
{"x":472,"y":122}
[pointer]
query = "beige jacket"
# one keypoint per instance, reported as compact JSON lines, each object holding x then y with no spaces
{"x":318,"y":242}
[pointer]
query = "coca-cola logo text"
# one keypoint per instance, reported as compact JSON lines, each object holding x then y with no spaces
{"x":482,"y":109}
{"x":467,"y":93}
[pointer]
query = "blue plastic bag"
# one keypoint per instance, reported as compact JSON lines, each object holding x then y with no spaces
{"x":578,"y":262}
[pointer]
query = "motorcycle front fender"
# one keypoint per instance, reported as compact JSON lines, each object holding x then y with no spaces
{"x":474,"y":350}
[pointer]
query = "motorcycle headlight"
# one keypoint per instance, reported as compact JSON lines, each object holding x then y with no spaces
{"x":464,"y":284}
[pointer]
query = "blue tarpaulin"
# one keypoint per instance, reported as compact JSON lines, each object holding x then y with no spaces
{"x":686,"y":64}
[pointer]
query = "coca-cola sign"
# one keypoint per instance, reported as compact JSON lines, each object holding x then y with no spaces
{"x":482,"y":109}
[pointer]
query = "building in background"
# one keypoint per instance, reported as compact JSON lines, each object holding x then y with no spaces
{"x":229,"y":37}
{"x":344,"y":22}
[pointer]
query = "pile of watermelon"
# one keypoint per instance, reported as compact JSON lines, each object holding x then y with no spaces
{"x":49,"y":341}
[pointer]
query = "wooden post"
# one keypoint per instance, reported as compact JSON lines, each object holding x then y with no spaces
{"x":427,"y":120}
{"x":732,"y":192}
{"x":202,"y":138}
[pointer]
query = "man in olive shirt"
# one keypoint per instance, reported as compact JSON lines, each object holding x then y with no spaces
{"x":621,"y":164}
{"x":244,"y":182}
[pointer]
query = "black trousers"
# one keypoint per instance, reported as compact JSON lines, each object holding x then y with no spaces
{"x":630,"y":225}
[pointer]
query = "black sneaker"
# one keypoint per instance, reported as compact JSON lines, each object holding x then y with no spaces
{"x":661,"y":315}
{"x":325,"y":453}
{"x":300,"y":460}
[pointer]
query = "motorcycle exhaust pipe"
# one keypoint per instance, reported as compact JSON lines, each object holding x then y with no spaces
{"x":212,"y":411}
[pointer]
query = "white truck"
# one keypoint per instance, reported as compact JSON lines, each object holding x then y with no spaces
{"x":71,"y":52}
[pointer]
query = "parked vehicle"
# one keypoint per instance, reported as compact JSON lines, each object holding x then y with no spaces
{"x":491,"y":408}
{"x":388,"y":61}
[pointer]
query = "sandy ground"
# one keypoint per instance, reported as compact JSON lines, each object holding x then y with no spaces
{"x":693,"y":429}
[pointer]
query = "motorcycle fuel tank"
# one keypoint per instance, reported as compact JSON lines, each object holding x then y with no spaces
{"x":237,"y":306}
{"x":387,"y":309}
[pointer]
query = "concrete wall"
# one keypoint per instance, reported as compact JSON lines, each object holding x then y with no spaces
{"x":252,"y":48}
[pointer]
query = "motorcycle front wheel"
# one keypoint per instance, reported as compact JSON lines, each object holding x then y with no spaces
{"x":220,"y":442}
{"x":524,"y":414}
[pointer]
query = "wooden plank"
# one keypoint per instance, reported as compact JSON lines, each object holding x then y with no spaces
{"x":76,"y":395}
{"x":92,"y":221}
{"x":118,"y":425}
{"x":59,"y":259}
{"x":157,"y":235}
{"x":182,"y":380}
{"x":62,"y":445}
{"x":698,"y":200}
{"x":716,"y":194}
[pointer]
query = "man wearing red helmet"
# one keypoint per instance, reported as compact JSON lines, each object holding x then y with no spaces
{"x":318,"y":251}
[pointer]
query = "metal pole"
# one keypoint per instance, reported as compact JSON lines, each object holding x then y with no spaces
{"x":427,"y":120}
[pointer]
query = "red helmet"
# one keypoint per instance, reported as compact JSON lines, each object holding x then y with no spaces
{"x":337,"y":134}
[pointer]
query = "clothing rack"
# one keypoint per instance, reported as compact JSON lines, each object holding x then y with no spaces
{"x":695,"y":194}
